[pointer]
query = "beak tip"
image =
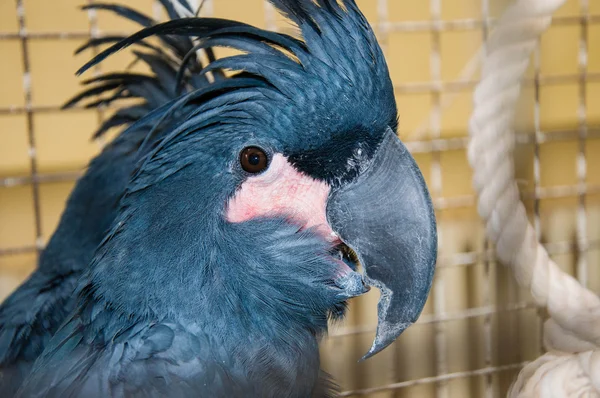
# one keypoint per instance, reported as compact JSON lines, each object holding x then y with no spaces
{"x":387,"y":333}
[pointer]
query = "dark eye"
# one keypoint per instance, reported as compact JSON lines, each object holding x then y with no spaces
{"x":253,"y":159}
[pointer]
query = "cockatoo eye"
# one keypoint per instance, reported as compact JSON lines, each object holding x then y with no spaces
{"x":254,"y":160}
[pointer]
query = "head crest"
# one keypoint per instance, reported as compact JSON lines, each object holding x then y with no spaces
{"x":332,"y":80}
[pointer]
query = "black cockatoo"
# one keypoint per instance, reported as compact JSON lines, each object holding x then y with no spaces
{"x":32,"y":314}
{"x":223,"y":263}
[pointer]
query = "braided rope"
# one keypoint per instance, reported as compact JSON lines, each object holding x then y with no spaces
{"x":571,"y":367}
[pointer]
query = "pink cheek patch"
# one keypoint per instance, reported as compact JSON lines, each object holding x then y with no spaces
{"x":282,"y":191}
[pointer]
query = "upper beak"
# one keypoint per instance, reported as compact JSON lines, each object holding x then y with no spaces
{"x":386,"y":216}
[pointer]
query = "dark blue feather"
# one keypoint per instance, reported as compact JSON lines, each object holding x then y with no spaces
{"x":123,"y":11}
{"x":178,"y":45}
{"x":200,"y":28}
{"x":98,"y":41}
{"x":31,"y":315}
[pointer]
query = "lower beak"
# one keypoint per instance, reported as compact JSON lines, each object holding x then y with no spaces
{"x":386,"y":216}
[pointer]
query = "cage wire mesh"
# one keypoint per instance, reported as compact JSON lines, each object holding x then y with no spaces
{"x":478,"y":328}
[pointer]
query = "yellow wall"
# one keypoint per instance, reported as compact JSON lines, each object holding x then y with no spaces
{"x":63,"y":145}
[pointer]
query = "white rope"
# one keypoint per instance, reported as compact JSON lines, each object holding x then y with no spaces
{"x":571,"y":367}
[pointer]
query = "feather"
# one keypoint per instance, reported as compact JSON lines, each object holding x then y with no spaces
{"x":98,"y":41}
{"x":200,"y":28}
{"x":178,"y":46}
{"x":123,"y":11}
{"x":31,"y":315}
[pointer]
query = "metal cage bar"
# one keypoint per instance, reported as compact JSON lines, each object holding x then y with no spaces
{"x":488,"y":342}
{"x":582,"y":264}
{"x":439,"y":283}
{"x":35,"y":188}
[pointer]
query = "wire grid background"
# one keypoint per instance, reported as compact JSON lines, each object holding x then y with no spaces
{"x":478,"y":327}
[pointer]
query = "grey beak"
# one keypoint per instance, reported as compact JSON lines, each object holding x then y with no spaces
{"x":386,"y":216}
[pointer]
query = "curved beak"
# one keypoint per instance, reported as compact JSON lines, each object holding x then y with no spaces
{"x":386,"y":216}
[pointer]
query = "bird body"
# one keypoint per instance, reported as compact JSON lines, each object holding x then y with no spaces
{"x":218,"y":277}
{"x":31,"y":315}
{"x":225,"y":351}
